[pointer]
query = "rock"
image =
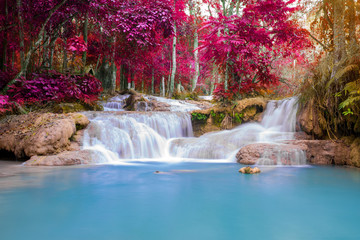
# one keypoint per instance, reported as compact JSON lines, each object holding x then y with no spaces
{"x":63,"y":159}
{"x":310,"y":121}
{"x":284,"y":153}
{"x":245,"y":110}
{"x":318,"y":152}
{"x":68,"y":108}
{"x":81,"y":121}
{"x":302,"y":136}
{"x":158,"y":106}
{"x":355,"y":152}
{"x":39,"y":133}
{"x":76,"y":140}
{"x":249,"y":170}
{"x":226,"y":123}
{"x":325,"y":152}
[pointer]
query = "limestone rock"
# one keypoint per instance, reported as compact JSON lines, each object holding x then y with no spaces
{"x":81,"y":121}
{"x":63,"y":159}
{"x":158,"y":106}
{"x":318,"y":152}
{"x":245,"y":110}
{"x":309,"y":121}
{"x":38,"y":133}
{"x":325,"y":152}
{"x":284,"y":153}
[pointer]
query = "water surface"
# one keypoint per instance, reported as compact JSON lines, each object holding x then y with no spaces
{"x":212,"y":201}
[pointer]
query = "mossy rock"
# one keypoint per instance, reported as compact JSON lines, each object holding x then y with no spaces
{"x":220,"y":118}
{"x":76,"y":107}
{"x":69,"y":108}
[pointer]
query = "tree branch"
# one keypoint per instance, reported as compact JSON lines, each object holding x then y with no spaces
{"x":318,"y":41}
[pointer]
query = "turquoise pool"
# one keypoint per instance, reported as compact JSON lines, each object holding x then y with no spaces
{"x":212,"y":201}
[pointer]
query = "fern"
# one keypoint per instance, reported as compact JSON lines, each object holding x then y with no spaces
{"x":352,"y":89}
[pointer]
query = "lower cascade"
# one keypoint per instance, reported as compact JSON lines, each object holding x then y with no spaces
{"x":165,"y":136}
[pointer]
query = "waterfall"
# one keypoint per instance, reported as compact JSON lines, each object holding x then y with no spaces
{"x":116,"y":103}
{"x":164,"y":136}
{"x":135,"y":135}
{"x":278,"y":124}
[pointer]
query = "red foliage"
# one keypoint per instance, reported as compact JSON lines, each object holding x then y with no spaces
{"x":55,"y":87}
{"x":246,"y":46}
{"x":5,"y":104}
{"x":76,"y":44}
{"x":222,"y":95}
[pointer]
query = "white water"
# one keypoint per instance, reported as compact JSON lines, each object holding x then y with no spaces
{"x":167,"y":136}
{"x":116,"y":103}
{"x":176,"y":105}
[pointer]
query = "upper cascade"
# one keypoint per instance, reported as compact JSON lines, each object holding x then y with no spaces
{"x":281,"y":115}
{"x":118,"y":103}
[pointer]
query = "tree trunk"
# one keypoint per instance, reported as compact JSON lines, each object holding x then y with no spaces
{"x":4,"y":55}
{"x":173,"y":72}
{"x":3,"y":62}
{"x":339,"y":34}
{"x":13,"y":59}
{"x":107,"y":75}
{"x":352,"y":25}
{"x":21,"y":35}
{"x":26,"y":60}
{"x":226,"y":76}
{"x":52,"y":50}
{"x":163,"y":86}
{"x":85,"y":33}
{"x":152,"y":82}
{"x":237,"y":7}
{"x":142,"y":85}
{"x":65,"y":61}
{"x":197,"y":64}
{"x":97,"y":64}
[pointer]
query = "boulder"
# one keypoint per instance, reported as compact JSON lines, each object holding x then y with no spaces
{"x":285,"y":153}
{"x":158,"y":106}
{"x":39,"y":133}
{"x":63,"y":159}
{"x":249,"y":170}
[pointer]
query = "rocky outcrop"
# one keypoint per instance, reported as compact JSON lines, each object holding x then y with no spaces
{"x":318,"y":152}
{"x":310,"y":121}
{"x":63,"y":159}
{"x":325,"y":152}
{"x":39,"y":134}
{"x":220,"y":118}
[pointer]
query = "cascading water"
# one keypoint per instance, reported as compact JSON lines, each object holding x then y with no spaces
{"x":165,"y":136}
{"x":135,"y":135}
{"x":116,"y":103}
{"x":278,"y":124}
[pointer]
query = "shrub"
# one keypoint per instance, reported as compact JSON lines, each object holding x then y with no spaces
{"x":55,"y":87}
{"x":5,"y":105}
